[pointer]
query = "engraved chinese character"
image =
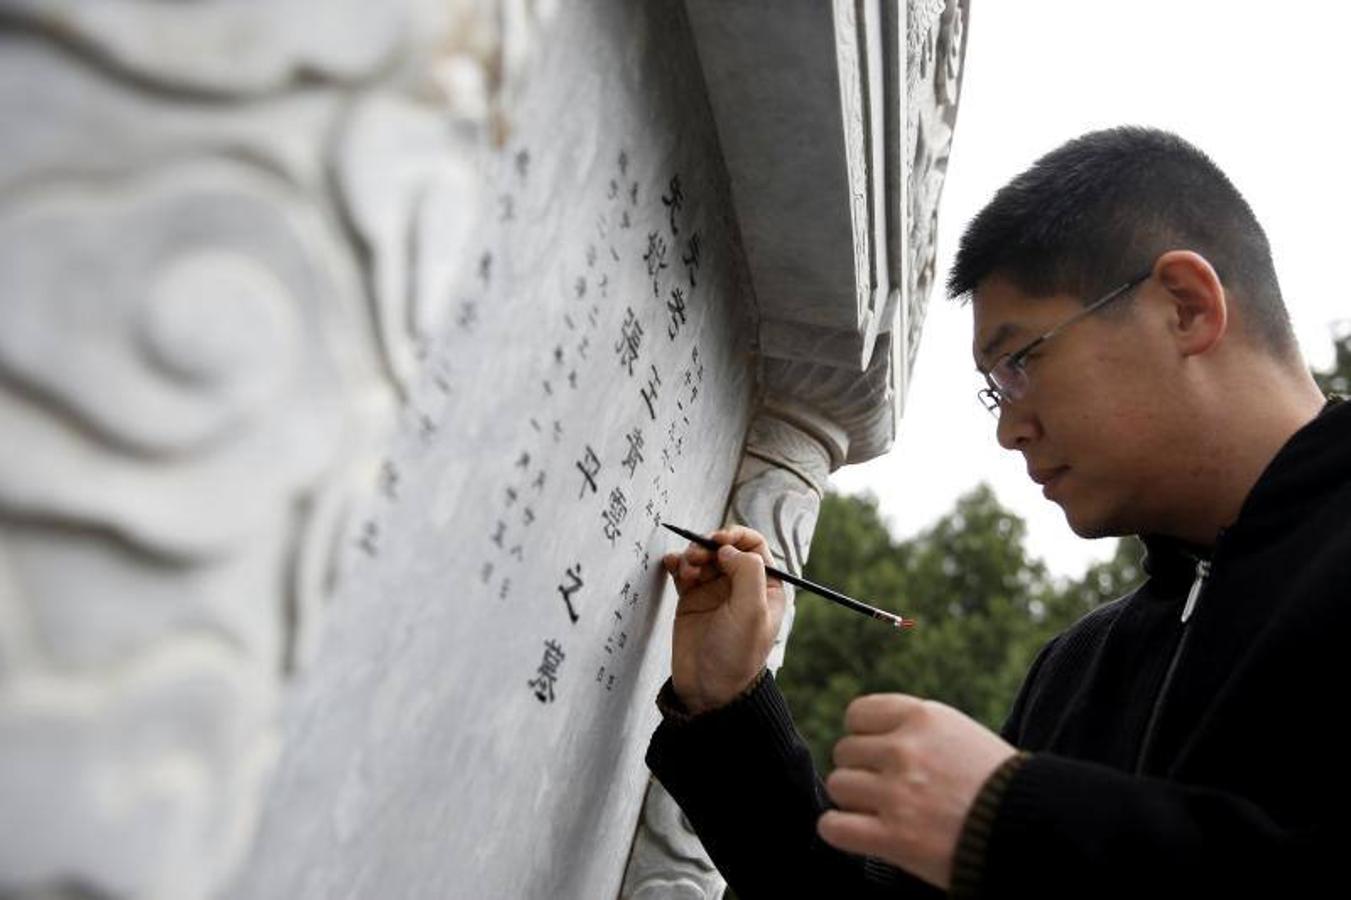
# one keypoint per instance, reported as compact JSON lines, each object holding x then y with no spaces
{"x":614,"y":515}
{"x":630,"y":340}
{"x":655,"y":254}
{"x":468,"y":315}
{"x":370,"y":538}
{"x":389,"y":480}
{"x":546,"y":675}
{"x":674,"y":202}
{"x":691,"y":257}
{"x":635,"y":451}
{"x":650,"y":393}
{"x":675,"y":307}
{"x":574,"y":575}
{"x":589,"y":466}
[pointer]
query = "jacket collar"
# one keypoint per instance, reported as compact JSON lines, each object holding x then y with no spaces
{"x":1315,"y":459}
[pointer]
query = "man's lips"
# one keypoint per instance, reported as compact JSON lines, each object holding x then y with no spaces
{"x":1046,"y":475}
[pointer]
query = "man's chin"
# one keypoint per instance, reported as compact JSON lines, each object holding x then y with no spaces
{"x":1088,"y":526}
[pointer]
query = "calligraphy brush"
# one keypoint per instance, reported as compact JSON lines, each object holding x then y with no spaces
{"x":819,"y":590}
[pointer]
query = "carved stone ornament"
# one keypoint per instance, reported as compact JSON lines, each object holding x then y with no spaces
{"x":213,"y":223}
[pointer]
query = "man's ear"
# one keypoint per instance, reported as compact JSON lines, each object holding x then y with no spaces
{"x":1198,"y":303}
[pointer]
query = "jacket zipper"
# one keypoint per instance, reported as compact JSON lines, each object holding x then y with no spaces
{"x":1193,"y":595}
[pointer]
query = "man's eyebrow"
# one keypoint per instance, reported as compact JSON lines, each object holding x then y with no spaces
{"x":1001,"y":334}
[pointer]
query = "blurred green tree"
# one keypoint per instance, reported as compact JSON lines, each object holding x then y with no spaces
{"x":983,"y":608}
{"x":1337,"y":380}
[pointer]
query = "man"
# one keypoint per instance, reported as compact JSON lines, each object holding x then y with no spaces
{"x":1137,"y":353}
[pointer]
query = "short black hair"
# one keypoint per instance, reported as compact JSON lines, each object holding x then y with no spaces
{"x":1097,"y":210}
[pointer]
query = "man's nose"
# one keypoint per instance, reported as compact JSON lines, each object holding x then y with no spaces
{"x":1018,"y":426}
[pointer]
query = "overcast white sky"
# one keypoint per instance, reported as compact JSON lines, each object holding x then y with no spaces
{"x":1261,"y":87}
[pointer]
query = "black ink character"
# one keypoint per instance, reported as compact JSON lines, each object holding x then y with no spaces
{"x":468,"y":316}
{"x":691,"y":257}
{"x":655,"y":257}
{"x":370,"y":539}
{"x":575,"y":577}
{"x":674,"y":203}
{"x":635,"y":451}
{"x":389,"y":480}
{"x":650,"y":393}
{"x":589,"y":466}
{"x":676,"y":308}
{"x":546,"y":676}
{"x":615,"y":515}
{"x":630,"y":340}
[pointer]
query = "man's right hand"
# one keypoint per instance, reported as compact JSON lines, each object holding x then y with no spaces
{"x":727,"y":618}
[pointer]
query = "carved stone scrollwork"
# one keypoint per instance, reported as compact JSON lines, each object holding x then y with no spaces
{"x":936,"y":46}
{"x":213,"y":218}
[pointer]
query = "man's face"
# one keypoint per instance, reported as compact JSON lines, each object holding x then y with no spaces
{"x":1098,"y":425}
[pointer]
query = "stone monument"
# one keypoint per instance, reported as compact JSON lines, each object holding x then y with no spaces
{"x":350,"y":355}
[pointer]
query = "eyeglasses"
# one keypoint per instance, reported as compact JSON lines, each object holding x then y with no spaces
{"x":1007,"y":379}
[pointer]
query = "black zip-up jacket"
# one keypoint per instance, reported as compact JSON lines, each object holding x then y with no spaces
{"x":1163,"y":757}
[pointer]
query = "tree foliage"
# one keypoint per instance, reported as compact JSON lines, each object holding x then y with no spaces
{"x":983,"y":609}
{"x":1337,"y":380}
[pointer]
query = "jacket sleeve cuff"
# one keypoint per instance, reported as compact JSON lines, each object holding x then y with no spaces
{"x":968,"y":863}
{"x":674,"y":711}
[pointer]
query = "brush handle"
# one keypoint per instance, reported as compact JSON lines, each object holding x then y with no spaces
{"x":819,"y":589}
